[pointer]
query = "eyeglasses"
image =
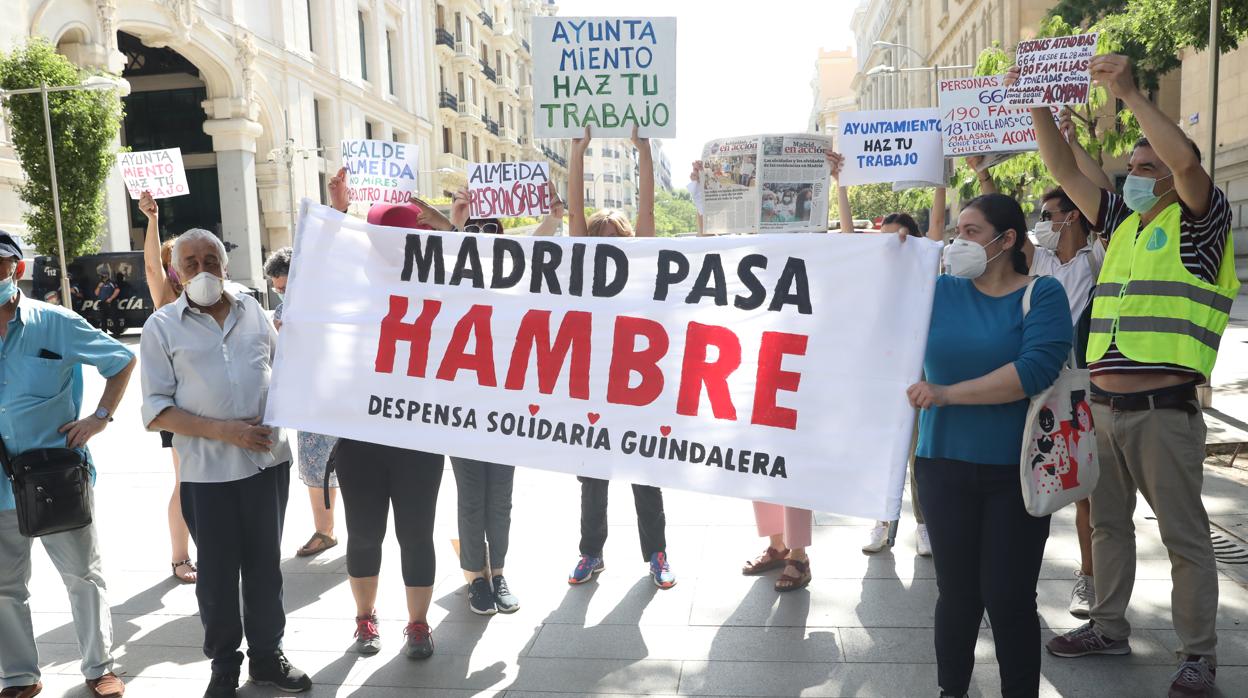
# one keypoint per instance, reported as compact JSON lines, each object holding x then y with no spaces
{"x":487,"y":228}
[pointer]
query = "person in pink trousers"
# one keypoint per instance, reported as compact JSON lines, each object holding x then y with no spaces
{"x":789,"y":530}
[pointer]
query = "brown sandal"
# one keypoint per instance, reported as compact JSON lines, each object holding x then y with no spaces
{"x":318,"y":543}
{"x":185,"y":578}
{"x":788,"y":582}
{"x":769,"y":560}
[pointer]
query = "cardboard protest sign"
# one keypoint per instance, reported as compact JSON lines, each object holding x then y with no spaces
{"x":896,"y":145}
{"x":508,"y":189}
{"x":1052,"y":71}
{"x":976,"y":120}
{"x":736,"y":366}
{"x":157,"y":171}
{"x":381,"y":172}
{"x":609,"y":73}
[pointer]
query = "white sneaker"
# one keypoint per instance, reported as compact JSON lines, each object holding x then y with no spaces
{"x":878,"y":540}
{"x":922,"y":543}
{"x":1083,"y":596}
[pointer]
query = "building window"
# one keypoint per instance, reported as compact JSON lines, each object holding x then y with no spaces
{"x":501,"y":124}
{"x":463,"y":145}
{"x":476,"y":149}
{"x":316,"y":120}
{"x":390,"y":61}
{"x":324,"y":188}
{"x":398,"y":136}
{"x":368,"y":129}
{"x":489,"y":155}
{"x":311,"y":29}
{"x":363,"y":46}
{"x":446,"y":140}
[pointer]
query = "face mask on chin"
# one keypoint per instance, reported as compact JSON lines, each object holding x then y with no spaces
{"x":968,"y":260}
{"x":205,"y":289}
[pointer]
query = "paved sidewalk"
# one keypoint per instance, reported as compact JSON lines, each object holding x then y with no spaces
{"x":864,"y":628}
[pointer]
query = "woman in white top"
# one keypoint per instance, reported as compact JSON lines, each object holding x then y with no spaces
{"x":1064,"y":248}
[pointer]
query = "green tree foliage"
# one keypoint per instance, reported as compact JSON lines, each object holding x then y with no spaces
{"x":674,"y":213}
{"x":1152,"y":32}
{"x":84,"y":124}
{"x":872,"y":201}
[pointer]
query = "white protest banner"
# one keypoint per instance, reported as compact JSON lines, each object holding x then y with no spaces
{"x":976,"y":121}
{"x":381,"y":172}
{"x":737,"y":366}
{"x":157,"y":171}
{"x":508,"y":189}
{"x":897,"y":145}
{"x":609,"y":73}
{"x":1052,"y":72}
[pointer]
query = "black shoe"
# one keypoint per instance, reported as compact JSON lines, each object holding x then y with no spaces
{"x":481,"y":597}
{"x":222,"y":685}
{"x":504,"y":600}
{"x":275,"y":670}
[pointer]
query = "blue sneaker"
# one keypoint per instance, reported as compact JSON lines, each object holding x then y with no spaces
{"x":586,"y":569}
{"x":660,"y":572}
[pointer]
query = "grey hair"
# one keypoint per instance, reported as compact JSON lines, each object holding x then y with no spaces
{"x":278,"y":263}
{"x":198,"y":234}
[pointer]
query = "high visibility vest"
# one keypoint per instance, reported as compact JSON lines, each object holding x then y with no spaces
{"x":1151,"y":306}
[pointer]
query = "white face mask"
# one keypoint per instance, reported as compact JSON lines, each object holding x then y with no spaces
{"x":1046,"y":236}
{"x":967,"y":259}
{"x":205,"y":289}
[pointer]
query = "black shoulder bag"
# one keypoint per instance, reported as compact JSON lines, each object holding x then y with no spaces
{"x":52,"y":490}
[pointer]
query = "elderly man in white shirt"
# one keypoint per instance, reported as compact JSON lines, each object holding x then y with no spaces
{"x":206,"y":362}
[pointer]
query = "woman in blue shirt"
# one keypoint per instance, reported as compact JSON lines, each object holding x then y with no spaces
{"x":983,"y":360}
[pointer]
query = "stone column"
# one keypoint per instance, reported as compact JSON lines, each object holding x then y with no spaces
{"x":234,"y":141}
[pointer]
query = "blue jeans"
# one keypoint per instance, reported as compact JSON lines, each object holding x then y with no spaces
{"x":987,"y":551}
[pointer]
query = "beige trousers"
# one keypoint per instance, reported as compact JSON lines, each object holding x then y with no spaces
{"x":1159,"y":453}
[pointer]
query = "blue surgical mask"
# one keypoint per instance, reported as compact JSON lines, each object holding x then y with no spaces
{"x":281,"y":297}
{"x":1138,"y":194}
{"x":8,"y":288}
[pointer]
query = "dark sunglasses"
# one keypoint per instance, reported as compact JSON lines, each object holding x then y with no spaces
{"x":1048,"y":215}
{"x":487,"y":228}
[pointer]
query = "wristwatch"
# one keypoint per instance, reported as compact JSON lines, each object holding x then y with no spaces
{"x":103,"y":415}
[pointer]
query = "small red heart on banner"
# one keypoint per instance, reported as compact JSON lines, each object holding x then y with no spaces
{"x":593,"y":417}
{"x":665,"y":430}
{"x":533,"y":409}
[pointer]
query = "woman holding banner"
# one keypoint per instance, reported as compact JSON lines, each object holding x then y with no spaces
{"x":1064,"y":248}
{"x":373,"y":477}
{"x":314,"y":449}
{"x":984,"y":357}
{"x":162,"y":283}
{"x":902,"y":224}
{"x":651,"y":521}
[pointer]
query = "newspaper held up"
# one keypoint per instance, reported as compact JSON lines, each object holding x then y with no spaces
{"x":768,"y":184}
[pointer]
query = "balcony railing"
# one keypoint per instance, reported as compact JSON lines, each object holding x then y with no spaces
{"x":446,"y":100}
{"x":491,"y":126}
{"x":489,"y":72}
{"x":486,"y":19}
{"x":469,"y":110}
{"x":453,"y":161}
{"x":525,"y":44}
{"x":444,"y":37}
{"x":510,"y":134}
{"x":463,"y":49}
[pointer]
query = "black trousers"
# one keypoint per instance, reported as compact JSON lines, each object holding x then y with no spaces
{"x":987,"y":550}
{"x":371,"y":478}
{"x":651,"y":522}
{"x":237,"y":528}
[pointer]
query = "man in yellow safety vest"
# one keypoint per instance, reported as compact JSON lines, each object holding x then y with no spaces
{"x":1162,"y":302}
